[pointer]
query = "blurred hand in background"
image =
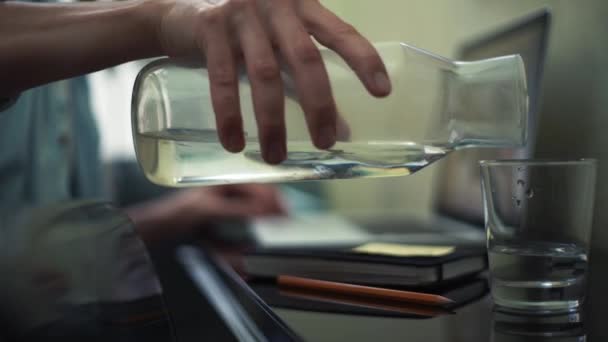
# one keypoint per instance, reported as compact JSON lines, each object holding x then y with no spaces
{"x":184,"y":212}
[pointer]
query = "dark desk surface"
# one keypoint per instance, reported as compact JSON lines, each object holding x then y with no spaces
{"x":475,"y":322}
{"x":340,"y":327}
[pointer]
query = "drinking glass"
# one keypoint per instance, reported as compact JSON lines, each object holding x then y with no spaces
{"x":538,"y":218}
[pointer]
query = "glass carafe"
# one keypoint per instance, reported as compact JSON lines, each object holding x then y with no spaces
{"x":436,"y":106}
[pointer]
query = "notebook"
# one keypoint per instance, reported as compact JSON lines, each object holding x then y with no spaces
{"x":370,"y":263}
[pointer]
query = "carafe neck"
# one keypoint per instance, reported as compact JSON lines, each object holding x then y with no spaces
{"x":487,"y":103}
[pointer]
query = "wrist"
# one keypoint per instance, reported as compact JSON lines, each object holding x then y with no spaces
{"x":152,"y":13}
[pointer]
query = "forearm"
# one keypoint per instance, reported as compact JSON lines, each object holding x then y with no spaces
{"x":41,"y":43}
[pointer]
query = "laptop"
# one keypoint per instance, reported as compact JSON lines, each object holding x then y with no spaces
{"x":459,"y":188}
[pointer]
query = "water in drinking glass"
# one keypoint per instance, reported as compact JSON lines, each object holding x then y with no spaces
{"x":538,"y":276}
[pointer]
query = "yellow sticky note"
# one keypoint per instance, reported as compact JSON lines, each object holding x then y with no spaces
{"x":400,"y":250}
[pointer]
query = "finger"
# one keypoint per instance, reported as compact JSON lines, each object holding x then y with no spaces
{"x":232,"y":209}
{"x":267,"y":197}
{"x":223,"y":80}
{"x":217,"y":202}
{"x":344,"y":39}
{"x":309,"y":73}
{"x":266,"y":85}
{"x":241,"y":207}
{"x":277,"y":204}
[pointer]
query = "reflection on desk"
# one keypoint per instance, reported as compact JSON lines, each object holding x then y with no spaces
{"x":569,"y":327}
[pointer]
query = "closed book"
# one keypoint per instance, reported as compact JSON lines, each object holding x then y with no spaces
{"x":369,"y":263}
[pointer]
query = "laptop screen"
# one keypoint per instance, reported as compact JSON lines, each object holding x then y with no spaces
{"x":458,"y":193}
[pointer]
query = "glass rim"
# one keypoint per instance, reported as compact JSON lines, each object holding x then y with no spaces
{"x":539,"y":162}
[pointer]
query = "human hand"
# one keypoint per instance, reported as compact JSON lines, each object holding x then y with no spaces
{"x":185,"y":211}
{"x":202,"y":205}
{"x":262,"y":33}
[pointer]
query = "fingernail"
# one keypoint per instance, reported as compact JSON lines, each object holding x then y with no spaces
{"x":236,"y":142}
{"x":276,"y":153}
{"x":327,"y":137}
{"x":383,"y":84}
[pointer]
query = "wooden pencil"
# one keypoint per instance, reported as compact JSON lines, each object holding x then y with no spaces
{"x":368,"y":303}
{"x":362,"y":291}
